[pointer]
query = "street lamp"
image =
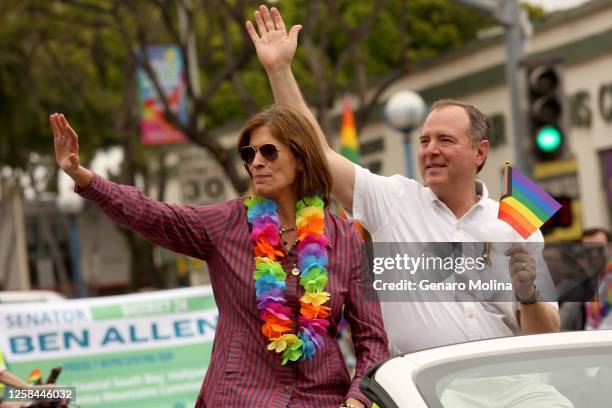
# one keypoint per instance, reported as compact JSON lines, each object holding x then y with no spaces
{"x":71,"y":205}
{"x":404,"y":112}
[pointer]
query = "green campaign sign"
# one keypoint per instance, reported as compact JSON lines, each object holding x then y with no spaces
{"x":150,"y":349}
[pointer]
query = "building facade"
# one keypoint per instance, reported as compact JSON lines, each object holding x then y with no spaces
{"x":580,"y":39}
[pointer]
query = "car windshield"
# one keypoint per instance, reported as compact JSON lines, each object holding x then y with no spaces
{"x":579,"y":378}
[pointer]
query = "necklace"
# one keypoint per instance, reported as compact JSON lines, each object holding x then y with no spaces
{"x":301,"y":339}
{"x":289,"y":248}
{"x":281,"y":231}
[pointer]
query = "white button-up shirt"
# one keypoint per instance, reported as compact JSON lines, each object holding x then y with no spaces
{"x":398,"y":209}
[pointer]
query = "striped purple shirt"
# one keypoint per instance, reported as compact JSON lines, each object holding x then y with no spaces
{"x":242,"y":372}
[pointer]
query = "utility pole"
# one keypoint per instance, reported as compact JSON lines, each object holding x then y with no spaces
{"x":187,"y":33}
{"x":508,"y":13}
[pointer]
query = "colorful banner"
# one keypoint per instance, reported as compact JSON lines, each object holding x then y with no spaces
{"x":141,"y":350}
{"x":167,"y":63}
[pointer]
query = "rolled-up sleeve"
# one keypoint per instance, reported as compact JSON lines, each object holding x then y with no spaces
{"x":363,"y":313}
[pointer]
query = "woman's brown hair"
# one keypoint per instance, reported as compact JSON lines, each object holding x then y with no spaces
{"x":293,"y":129}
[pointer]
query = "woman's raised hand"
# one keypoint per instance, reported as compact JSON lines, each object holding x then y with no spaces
{"x":66,"y":143}
{"x":275,"y":47}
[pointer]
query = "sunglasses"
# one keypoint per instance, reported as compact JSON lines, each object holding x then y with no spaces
{"x":268,"y":152}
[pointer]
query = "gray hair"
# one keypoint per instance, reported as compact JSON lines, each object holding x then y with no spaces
{"x":479,"y":129}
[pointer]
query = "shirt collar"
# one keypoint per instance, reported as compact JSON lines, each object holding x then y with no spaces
{"x":481,"y":191}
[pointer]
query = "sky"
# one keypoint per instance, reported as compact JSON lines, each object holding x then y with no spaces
{"x":554,"y":5}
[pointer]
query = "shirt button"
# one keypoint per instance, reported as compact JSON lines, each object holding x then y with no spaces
{"x":286,"y":388}
{"x":471,"y":315}
{"x":456,"y":227}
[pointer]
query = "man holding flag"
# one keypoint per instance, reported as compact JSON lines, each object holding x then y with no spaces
{"x":452,"y":206}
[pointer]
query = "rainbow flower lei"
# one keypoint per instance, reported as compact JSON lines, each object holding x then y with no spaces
{"x":270,"y":277}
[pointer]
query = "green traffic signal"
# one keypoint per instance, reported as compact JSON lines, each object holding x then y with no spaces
{"x":549,"y":139}
{"x":546,"y":111}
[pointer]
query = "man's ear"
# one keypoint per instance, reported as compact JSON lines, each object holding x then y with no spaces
{"x":482,"y":152}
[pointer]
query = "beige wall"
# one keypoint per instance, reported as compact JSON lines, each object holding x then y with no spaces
{"x":587,"y":143}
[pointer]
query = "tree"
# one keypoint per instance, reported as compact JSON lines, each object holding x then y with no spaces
{"x":366,"y":46}
{"x":79,"y":57}
{"x":345,"y":44}
{"x":27,"y":67}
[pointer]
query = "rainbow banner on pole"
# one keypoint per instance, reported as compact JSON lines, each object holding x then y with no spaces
{"x":167,"y":63}
{"x":524,"y":205}
{"x":349,"y":148}
{"x":348,"y":133}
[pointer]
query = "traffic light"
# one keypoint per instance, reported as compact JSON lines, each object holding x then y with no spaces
{"x":546,"y":109}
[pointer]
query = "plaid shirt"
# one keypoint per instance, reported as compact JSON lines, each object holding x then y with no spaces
{"x":242,"y":372}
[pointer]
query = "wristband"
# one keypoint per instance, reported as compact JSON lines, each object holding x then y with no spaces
{"x":530,"y":300}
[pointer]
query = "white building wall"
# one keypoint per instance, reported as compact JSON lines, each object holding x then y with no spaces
{"x":587,"y":143}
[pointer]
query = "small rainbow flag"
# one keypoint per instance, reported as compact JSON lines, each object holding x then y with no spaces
{"x":34,"y":377}
{"x":524,"y":205}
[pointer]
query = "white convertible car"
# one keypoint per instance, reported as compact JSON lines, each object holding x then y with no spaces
{"x":559,"y":370}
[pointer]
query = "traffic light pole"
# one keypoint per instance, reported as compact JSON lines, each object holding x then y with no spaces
{"x":508,"y":14}
{"x":514,"y":49}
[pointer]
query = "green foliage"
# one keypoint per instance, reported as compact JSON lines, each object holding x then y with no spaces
{"x":70,"y":56}
{"x":534,"y":12}
{"x":45,"y":68}
{"x":77,"y":57}
{"x":404,"y":31}
{"x":224,"y":105}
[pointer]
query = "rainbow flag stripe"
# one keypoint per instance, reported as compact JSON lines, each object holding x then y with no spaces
{"x":524,"y":205}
